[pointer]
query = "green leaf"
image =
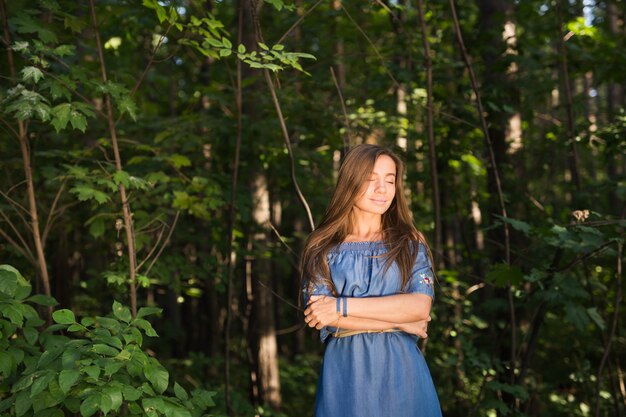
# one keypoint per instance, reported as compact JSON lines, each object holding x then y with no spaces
{"x":127,"y":105}
{"x":146,"y":327}
{"x":112,"y":368}
{"x":214,"y":42}
{"x":157,"y":375}
{"x":92,"y":370}
{"x":148,"y":311}
{"x":74,"y":24}
{"x":596,"y":317}
{"x":121,"y":177}
{"x":13,"y":314}
{"x":227,"y":44}
{"x":23,"y":383}
{"x":69,"y":358}
{"x":105,"y":350}
{"x":43,"y":300}
{"x":8,"y":280}
{"x":23,"y":403}
{"x":115,"y":397}
{"x":517,"y":224}
{"x":264,"y":46}
{"x":41,"y":383}
{"x":64,"y":50}
{"x":67,"y":379}
{"x":84,"y":193}
{"x":121,"y":312}
{"x":180,"y":161}
{"x":180,"y":392}
{"x":61,"y":116}
{"x":241,"y":48}
{"x":501,"y":275}
{"x":33,"y":74}
{"x":76,"y":327}
{"x":97,"y":227}
{"x":31,"y":334}
{"x":131,"y":393}
{"x":78,"y":120}
{"x":577,"y":315}
{"x":90,"y":405}
{"x":225,"y":52}
{"x":64,"y":316}
{"x":6,"y":364}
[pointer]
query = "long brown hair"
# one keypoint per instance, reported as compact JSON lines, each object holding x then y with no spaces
{"x":398,"y":232}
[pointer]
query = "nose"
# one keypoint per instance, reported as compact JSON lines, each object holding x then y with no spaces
{"x":381,"y":186}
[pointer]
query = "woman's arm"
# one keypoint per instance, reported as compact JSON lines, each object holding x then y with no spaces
{"x":418,"y":328}
{"x":397,"y":308}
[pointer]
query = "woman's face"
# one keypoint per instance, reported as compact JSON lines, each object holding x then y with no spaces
{"x":379,"y":189}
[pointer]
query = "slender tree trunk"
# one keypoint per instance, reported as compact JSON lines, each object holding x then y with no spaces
{"x":262,"y":325}
{"x":42,"y":266}
{"x":126,"y":210}
{"x":569,"y":106}
{"x":432,"y":150}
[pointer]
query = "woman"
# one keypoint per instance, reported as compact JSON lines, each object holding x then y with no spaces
{"x":368,"y":286}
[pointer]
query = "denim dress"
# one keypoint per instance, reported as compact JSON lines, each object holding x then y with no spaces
{"x":373,"y":374}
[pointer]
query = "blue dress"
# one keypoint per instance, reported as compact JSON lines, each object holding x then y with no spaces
{"x":373,"y":374}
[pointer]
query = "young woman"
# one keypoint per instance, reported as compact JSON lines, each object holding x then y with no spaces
{"x":368,"y":286}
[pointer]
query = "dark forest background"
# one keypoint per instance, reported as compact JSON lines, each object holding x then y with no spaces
{"x":167,"y":159}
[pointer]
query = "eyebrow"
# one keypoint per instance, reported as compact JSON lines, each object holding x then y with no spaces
{"x":386,"y":175}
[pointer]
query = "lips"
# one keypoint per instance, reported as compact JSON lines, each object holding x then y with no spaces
{"x":379,"y":202}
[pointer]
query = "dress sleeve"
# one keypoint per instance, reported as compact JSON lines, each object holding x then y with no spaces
{"x":422,"y":277}
{"x":310,"y":288}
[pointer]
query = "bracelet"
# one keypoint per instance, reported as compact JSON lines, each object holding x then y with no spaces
{"x":338,"y":305}
{"x":345,"y":306}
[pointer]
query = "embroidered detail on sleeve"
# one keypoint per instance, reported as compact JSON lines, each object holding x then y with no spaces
{"x":425,"y":279}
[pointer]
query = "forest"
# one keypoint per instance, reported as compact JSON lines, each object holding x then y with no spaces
{"x":163,"y":161}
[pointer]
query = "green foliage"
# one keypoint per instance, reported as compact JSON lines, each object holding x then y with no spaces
{"x":99,"y":366}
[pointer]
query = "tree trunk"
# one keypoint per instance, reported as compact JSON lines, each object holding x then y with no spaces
{"x":262,"y":325}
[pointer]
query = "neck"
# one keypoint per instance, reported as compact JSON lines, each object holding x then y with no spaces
{"x":365,"y":226}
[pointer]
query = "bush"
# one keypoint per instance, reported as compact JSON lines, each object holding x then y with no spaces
{"x":93,"y":366}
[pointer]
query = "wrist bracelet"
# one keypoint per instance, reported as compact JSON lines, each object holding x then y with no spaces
{"x":338,"y":305}
{"x":345,"y":306}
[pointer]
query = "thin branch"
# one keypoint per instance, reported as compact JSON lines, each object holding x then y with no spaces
{"x":17,"y":136}
{"x":16,"y":206}
{"x":231,"y":221}
{"x":584,"y":256}
{"x":76,"y":93}
{"x":48,"y":224}
{"x":279,"y":296}
{"x":156,"y":244}
{"x":297,"y":22}
{"x":346,"y":145}
{"x":165,"y":243}
{"x":282,"y":240}
{"x":25,"y":253}
{"x":616,"y":307}
{"x":494,"y":167}
{"x":128,"y":222}
{"x":432,"y":150}
{"x":292,"y":164}
{"x":571,"y":128}
{"x":382,"y":60}
{"x":395,"y":82}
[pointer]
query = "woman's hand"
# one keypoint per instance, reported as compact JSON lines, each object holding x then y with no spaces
{"x":418,"y":328}
{"x":321,"y":311}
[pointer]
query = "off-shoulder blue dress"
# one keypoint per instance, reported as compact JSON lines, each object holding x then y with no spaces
{"x":373,"y":374}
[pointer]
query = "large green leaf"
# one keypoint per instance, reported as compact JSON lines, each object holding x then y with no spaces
{"x":157,"y":375}
{"x":64,"y":316}
{"x":121,"y":312}
{"x":8,"y":280}
{"x":67,"y":379}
